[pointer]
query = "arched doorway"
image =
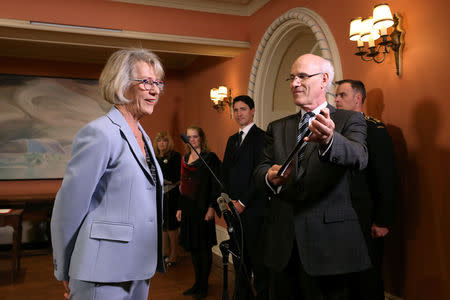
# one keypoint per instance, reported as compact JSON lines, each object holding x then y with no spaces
{"x":296,"y":32}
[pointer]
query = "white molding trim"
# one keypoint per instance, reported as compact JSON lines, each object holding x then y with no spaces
{"x":52,"y":33}
{"x":255,"y":5}
{"x":122,"y":33}
{"x":227,"y":8}
{"x":271,"y":48}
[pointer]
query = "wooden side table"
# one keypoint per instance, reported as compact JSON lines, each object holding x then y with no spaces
{"x":37,"y":208}
{"x":14,"y":219}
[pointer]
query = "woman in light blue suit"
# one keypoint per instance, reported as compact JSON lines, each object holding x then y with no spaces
{"x":107,"y":218}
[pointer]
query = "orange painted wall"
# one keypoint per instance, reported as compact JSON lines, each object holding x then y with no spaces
{"x":417,"y":254}
{"x":168,"y":114}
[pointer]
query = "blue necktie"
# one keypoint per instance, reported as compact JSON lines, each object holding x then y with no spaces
{"x":302,"y":131}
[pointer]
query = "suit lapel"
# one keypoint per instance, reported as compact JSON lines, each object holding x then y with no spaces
{"x":310,"y":148}
{"x":291,"y":133}
{"x":246,"y":143}
{"x":117,"y":118}
{"x":248,"y":137}
{"x":233,"y":147}
{"x":332,"y":111}
{"x":313,"y":147}
{"x":152,"y":153}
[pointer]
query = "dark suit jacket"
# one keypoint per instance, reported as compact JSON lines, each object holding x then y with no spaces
{"x":237,"y":168}
{"x":238,"y":165}
{"x":314,"y":208}
{"x":374,"y":188}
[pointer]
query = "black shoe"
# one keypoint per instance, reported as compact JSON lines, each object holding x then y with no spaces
{"x":192,"y":291}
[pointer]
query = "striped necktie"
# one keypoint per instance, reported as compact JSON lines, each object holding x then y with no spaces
{"x":303,"y":131}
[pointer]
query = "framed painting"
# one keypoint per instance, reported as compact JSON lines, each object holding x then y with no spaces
{"x":39,"y":117}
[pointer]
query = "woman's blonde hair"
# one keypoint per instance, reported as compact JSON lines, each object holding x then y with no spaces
{"x":163,"y":135}
{"x":119,"y":70}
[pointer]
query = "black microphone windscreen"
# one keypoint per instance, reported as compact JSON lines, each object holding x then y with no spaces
{"x":184,"y":137}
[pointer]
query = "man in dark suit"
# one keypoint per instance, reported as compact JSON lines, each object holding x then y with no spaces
{"x":242,"y":154}
{"x":313,"y":240}
{"x":373,"y":191}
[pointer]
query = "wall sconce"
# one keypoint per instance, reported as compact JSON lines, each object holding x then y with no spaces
{"x":372,"y":28}
{"x":220,"y":97}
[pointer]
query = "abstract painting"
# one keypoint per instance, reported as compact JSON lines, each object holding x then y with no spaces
{"x":39,"y":117}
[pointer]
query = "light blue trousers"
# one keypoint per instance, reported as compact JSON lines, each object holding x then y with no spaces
{"x":128,"y":290}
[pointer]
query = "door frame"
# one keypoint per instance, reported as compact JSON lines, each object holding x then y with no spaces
{"x":274,"y":44}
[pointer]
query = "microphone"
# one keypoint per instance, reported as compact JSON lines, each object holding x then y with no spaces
{"x":223,"y":200}
{"x":185,"y":139}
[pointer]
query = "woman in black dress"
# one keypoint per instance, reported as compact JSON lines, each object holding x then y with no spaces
{"x":199,"y":192}
{"x":170,"y":163}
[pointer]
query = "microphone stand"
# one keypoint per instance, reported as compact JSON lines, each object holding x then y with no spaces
{"x":225,"y":246}
{"x":230,"y":204}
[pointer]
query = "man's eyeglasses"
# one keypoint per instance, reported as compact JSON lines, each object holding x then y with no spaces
{"x":301,"y":76}
{"x":149,"y":83}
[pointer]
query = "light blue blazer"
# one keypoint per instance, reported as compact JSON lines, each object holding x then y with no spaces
{"x":107,"y":217}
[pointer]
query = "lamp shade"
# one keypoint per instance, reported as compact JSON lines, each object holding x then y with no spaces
{"x":375,"y":34}
{"x":367,"y":30}
{"x":222,"y":92}
{"x":355,"y":29}
{"x":214,"y":95}
{"x":382,"y":16}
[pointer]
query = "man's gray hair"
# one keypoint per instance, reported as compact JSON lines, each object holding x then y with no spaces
{"x":328,"y":68}
{"x":119,"y":70}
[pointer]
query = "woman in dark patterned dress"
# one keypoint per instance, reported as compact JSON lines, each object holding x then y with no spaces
{"x":170,"y":163}
{"x":199,"y":192}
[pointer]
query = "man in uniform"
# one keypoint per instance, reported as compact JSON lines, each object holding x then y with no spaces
{"x":373,"y":191}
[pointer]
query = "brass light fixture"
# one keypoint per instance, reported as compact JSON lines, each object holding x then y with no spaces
{"x":372,"y":28}
{"x":221,"y":97}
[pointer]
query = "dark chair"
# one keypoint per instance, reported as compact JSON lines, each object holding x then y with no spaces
{"x":13,"y":218}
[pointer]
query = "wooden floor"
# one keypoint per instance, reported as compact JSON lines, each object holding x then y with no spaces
{"x":36,"y":282}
